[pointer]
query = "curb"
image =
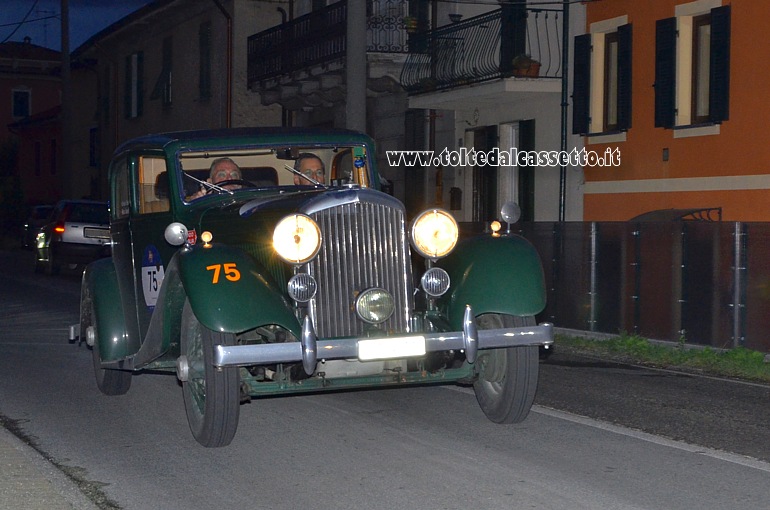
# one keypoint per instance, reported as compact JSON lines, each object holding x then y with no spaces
{"x":29,"y":481}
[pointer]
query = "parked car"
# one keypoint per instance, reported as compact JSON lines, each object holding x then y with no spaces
{"x":76,"y":232}
{"x":266,"y":287}
{"x":38,"y":216}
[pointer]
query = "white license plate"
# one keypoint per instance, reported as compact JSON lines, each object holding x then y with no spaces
{"x":391,"y":347}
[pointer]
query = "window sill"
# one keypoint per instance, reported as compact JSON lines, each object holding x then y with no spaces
{"x":696,"y":130}
{"x":612,"y":137}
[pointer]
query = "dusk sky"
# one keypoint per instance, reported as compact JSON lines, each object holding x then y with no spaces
{"x":43,"y":20}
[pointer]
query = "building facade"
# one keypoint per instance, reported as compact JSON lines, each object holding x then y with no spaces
{"x":490,"y":79}
{"x":674,"y":87}
{"x":172,"y":65}
{"x":30,"y":88}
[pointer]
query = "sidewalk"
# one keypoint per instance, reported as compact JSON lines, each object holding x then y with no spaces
{"x":28,"y":481}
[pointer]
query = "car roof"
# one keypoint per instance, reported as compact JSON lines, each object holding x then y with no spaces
{"x":233,"y":137}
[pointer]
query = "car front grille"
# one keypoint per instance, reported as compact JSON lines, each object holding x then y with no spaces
{"x":364,"y":245}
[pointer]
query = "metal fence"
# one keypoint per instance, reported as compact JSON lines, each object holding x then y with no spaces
{"x":705,"y":283}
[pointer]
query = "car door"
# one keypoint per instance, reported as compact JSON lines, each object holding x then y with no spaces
{"x":140,"y":214}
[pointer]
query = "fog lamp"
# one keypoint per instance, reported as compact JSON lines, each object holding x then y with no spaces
{"x":302,"y":287}
{"x":375,"y":305}
{"x":435,"y":282}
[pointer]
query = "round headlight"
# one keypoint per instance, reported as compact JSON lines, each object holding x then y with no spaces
{"x":434,"y":233}
{"x":375,"y":305}
{"x":435,"y":282}
{"x":297,"y":238}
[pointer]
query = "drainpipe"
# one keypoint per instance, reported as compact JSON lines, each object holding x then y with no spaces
{"x":564,"y":105}
{"x":229,"y":72}
{"x":356,"y":72}
{"x":66,"y":108}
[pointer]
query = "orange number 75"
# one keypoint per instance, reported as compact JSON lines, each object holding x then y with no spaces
{"x":231,"y":272}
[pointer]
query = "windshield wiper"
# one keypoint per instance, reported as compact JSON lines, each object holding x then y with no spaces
{"x":297,"y":172}
{"x":209,"y":185}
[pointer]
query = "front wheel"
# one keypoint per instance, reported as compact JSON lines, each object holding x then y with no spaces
{"x":507,"y":378}
{"x":211,"y":394}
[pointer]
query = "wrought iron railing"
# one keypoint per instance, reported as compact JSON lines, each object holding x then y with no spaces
{"x":320,"y":37}
{"x":511,"y":41}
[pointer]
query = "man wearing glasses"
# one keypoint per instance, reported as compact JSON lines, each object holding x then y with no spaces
{"x":311,"y":166}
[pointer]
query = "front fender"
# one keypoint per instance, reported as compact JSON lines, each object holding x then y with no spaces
{"x":99,"y":287}
{"x":493,"y":275}
{"x":229,"y":291}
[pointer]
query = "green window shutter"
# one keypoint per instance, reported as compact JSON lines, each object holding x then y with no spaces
{"x":139,"y":83}
{"x":719,"y":79}
{"x":624,"y":77}
{"x":581,"y":85}
{"x":665,"y":72}
{"x":127,"y":89}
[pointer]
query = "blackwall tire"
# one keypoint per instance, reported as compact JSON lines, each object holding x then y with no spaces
{"x":507,"y":378}
{"x":211,"y":395}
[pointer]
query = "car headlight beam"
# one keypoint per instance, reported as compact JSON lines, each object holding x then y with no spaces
{"x":434,"y":233}
{"x":297,"y":238}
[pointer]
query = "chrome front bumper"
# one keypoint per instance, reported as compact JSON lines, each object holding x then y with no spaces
{"x":309,"y":350}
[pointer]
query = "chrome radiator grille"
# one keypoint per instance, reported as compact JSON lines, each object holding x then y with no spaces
{"x":364,"y":245}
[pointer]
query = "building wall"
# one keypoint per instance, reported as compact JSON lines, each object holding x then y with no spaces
{"x":229,"y":104}
{"x":39,"y":161}
{"x":729,"y":169}
{"x":544,"y":109}
{"x":26,"y":66}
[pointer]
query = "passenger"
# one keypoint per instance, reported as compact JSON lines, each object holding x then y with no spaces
{"x":311,"y":166}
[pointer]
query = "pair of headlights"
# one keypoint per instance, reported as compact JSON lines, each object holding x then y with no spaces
{"x":297,"y":237}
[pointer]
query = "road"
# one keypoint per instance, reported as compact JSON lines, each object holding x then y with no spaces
{"x":420,"y":447}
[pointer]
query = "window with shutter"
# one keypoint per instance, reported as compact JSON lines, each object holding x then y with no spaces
{"x":602,"y":79}
{"x":692,"y":67}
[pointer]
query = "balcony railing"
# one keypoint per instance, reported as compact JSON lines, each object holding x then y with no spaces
{"x":320,"y":37}
{"x":485,"y":47}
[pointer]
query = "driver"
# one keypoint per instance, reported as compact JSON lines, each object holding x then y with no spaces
{"x":222,"y":169}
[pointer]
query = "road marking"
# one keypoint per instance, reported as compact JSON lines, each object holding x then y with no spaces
{"x":733,"y":458}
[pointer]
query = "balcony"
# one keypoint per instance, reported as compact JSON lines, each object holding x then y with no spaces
{"x":511,"y":42}
{"x":301,"y":62}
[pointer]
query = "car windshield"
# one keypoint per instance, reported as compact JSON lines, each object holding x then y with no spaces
{"x":207,"y":173}
{"x":89,"y":213}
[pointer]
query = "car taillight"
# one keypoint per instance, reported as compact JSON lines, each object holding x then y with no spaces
{"x":59,"y":229}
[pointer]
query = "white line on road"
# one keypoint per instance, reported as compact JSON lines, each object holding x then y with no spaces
{"x":642,"y":436}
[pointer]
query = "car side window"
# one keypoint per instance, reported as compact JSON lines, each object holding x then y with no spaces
{"x":120,"y":190}
{"x":153,"y":185}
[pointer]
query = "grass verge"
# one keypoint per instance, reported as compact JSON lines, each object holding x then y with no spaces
{"x":737,"y":363}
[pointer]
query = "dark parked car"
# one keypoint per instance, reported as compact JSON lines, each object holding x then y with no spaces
{"x":38,"y":217}
{"x":76,"y":232}
{"x":262,"y":286}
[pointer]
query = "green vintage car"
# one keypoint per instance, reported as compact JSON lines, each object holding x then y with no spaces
{"x":262,"y":286}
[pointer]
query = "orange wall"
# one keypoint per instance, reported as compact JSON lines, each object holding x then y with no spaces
{"x":742,"y":146}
